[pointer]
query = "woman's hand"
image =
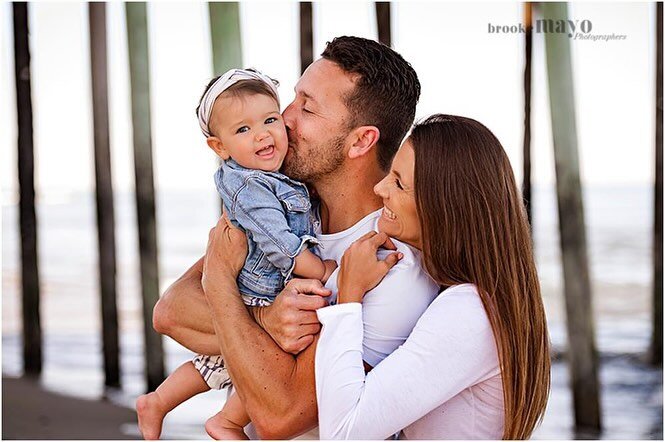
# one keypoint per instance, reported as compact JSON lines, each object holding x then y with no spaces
{"x":360,"y":270}
{"x":225,"y":254}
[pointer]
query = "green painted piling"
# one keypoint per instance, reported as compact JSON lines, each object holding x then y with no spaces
{"x":225,"y":36}
{"x":32,"y":331}
{"x":104,"y":194}
{"x":137,"y":39}
{"x":226,"y":41}
{"x":306,"y":36}
{"x":383,"y":22}
{"x":526,"y":144}
{"x":657,"y":330}
{"x":582,"y":356}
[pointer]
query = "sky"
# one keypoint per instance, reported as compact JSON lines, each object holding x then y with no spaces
{"x":463,"y":69}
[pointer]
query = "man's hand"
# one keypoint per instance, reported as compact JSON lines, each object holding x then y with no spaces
{"x":225,"y":254}
{"x":291,"y":320}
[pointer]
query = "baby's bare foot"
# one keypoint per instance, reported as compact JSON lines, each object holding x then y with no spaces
{"x":220,"y":428}
{"x":151,"y":415}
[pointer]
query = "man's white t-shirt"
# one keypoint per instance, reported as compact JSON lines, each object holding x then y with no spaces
{"x":391,"y":309}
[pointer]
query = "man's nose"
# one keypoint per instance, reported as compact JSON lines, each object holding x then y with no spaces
{"x":287,"y":116}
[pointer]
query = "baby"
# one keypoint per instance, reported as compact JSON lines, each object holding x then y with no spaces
{"x":239,"y":115}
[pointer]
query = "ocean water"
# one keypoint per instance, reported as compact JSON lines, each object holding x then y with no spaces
{"x":619,"y":236}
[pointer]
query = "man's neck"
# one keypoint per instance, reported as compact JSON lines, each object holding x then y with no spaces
{"x":346,"y":200}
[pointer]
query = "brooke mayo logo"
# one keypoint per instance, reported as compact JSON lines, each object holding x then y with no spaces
{"x":545,"y":26}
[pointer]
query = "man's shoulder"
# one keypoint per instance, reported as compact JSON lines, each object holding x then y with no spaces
{"x":408,"y":271}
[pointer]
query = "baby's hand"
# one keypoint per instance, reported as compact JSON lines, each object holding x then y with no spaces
{"x":330,"y":265}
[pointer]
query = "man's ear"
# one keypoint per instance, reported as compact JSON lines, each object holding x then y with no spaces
{"x":216,"y":145}
{"x":365,"y":138}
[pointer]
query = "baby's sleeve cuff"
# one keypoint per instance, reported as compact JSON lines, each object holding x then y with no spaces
{"x":306,"y":241}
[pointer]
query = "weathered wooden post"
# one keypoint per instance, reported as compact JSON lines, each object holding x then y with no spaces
{"x":383,"y":22}
{"x":104,"y":194}
{"x":582,"y":355}
{"x":306,"y":36}
{"x":137,"y":39}
{"x":32,"y":331}
{"x":225,"y":36}
{"x":657,"y":331}
{"x":226,"y":40}
{"x":526,"y":146}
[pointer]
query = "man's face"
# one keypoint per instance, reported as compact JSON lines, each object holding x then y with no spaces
{"x":317,"y":122}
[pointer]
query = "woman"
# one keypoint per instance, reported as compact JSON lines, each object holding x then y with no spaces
{"x":477,"y":363}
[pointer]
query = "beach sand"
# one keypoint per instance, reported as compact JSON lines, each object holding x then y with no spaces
{"x":30,"y":412}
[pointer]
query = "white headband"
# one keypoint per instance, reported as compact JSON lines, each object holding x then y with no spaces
{"x":223,"y":83}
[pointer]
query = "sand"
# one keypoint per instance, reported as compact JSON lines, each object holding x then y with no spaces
{"x":29,"y":412}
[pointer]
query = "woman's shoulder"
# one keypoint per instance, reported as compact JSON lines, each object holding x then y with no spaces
{"x":457,"y":317}
{"x":461,"y":303}
{"x":463,"y":290}
{"x":461,"y":294}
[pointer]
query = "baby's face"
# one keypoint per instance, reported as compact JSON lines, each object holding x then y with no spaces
{"x":251,"y":131}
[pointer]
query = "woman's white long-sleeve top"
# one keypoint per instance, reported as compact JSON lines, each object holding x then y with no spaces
{"x":444,"y":382}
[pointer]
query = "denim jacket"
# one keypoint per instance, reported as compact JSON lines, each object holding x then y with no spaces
{"x":275,"y":212}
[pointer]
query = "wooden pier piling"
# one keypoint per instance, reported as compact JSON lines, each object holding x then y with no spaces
{"x":104,"y":194}
{"x":526,"y":145}
{"x":306,"y":36}
{"x":657,"y":308}
{"x":32,"y":331}
{"x":137,"y":39}
{"x":226,"y":41}
{"x":225,"y":36}
{"x":582,"y":355}
{"x":383,"y":22}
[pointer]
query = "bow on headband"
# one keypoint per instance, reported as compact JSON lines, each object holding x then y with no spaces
{"x":223,"y":83}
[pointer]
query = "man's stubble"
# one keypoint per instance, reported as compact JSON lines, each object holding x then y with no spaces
{"x":317,"y":162}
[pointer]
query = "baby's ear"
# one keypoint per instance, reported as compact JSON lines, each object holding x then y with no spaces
{"x":216,"y":145}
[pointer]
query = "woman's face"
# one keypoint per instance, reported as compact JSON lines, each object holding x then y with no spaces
{"x":399,"y":218}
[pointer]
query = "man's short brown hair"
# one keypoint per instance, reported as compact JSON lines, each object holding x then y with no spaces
{"x":385,"y":94}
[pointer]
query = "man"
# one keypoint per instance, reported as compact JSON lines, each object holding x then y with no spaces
{"x":352,"y":109}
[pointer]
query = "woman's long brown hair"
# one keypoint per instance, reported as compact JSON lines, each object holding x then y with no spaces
{"x":475,"y":230}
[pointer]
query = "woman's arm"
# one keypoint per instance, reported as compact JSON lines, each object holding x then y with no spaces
{"x":450,"y":349}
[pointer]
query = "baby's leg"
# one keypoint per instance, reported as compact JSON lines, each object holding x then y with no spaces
{"x":182,"y":384}
{"x":228,"y":424}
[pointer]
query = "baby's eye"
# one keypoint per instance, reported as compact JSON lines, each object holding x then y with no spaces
{"x":270,"y":120}
{"x":242,"y":129}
